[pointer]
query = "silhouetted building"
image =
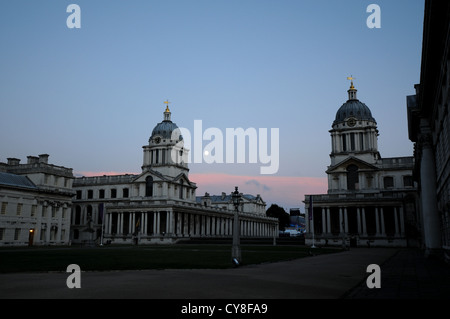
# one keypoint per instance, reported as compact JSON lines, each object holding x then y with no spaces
{"x":429,"y":129}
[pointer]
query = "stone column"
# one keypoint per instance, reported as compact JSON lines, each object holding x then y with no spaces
{"x":109,"y":222}
{"x":345,"y":220}
{"x":430,"y":216}
{"x":402,"y":222}
{"x":397,"y":230}
{"x":208,"y":225}
{"x":328,"y":220}
{"x":377,"y":221}
{"x":120,"y":224}
{"x":324,"y":223}
{"x":364,"y":225}
{"x":358,"y":219}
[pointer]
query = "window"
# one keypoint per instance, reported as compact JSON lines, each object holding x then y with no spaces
{"x":89,"y":212}
{"x":16,"y":234}
{"x":101,"y":193}
{"x":33,"y":210}
{"x":352,"y":177}
{"x":149,"y":186}
{"x":19,"y":209}
{"x":388,"y":182}
{"x":352,"y":141}
{"x":2,"y":233}
{"x":113,"y":193}
{"x":344,"y":142}
{"x":181,"y":189}
{"x":90,"y":194}
{"x":77,"y":215}
{"x":361,"y":141}
{"x":78,"y":194}
{"x":407,"y":181}
{"x":125,"y":192}
{"x":4,"y":206}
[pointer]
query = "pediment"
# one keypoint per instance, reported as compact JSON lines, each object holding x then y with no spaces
{"x":183,"y":176}
{"x":342,"y":166}
{"x":143,"y":176}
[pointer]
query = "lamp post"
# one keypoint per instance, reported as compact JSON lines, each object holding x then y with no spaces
{"x":236,"y":249}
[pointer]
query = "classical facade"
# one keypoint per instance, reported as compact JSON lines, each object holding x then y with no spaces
{"x":370,"y":200}
{"x":36,"y":202}
{"x":429,"y":129}
{"x":159,"y":205}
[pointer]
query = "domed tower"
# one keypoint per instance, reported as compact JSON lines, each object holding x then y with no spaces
{"x":354,"y":132}
{"x":165,"y":152}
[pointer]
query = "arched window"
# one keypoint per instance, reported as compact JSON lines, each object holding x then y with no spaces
{"x":149,"y":186}
{"x":352,"y":177}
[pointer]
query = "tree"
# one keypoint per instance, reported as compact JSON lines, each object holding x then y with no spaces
{"x":278,"y":212}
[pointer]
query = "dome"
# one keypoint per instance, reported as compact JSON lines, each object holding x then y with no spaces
{"x":355,"y":109}
{"x":165,"y":130}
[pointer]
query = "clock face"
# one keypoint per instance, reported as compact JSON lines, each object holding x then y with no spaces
{"x":157,"y":140}
{"x":351,"y":122}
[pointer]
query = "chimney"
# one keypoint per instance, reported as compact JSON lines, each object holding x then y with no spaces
{"x":32,"y":159}
{"x":43,"y":158}
{"x":13,"y":161}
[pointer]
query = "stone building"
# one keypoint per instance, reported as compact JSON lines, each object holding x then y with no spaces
{"x":159,"y":205}
{"x":429,"y":129}
{"x":370,"y":200}
{"x":36,"y":202}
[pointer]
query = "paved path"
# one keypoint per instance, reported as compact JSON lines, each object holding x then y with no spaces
{"x":328,"y":276}
{"x":405,"y":274}
{"x":408,"y":275}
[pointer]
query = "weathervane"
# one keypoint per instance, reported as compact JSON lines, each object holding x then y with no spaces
{"x":351,"y":78}
{"x":166,"y":102}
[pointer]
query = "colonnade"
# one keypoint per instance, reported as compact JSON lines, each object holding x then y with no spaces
{"x":157,"y":223}
{"x":374,"y":225}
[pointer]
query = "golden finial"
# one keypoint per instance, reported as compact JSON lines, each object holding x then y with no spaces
{"x":351,"y":78}
{"x":167,"y":105}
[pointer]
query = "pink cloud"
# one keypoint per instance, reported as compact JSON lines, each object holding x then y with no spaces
{"x":288,"y":192}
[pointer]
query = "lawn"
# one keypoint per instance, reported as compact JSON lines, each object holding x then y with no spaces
{"x":43,"y":259}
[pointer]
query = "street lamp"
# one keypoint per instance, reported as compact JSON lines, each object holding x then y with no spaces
{"x":236,"y":249}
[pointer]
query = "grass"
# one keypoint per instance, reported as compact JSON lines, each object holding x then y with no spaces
{"x":44,"y":259}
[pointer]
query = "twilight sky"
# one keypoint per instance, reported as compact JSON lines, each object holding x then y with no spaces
{"x":90,"y":97}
